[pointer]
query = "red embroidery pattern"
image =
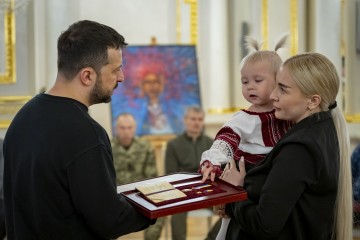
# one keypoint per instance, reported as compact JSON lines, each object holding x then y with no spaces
{"x":248,"y":157}
{"x":273,"y":129}
{"x":228,"y":135}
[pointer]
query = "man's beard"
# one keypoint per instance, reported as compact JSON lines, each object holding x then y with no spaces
{"x":99,"y":94}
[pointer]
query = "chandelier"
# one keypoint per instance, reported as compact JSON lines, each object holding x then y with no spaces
{"x":13,"y":5}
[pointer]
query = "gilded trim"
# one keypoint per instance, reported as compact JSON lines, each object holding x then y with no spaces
{"x":4,"y":124}
{"x":9,"y":76}
{"x":193,"y":21}
{"x":224,"y":110}
{"x":342,"y":23}
{"x":178,"y":21}
{"x":9,"y":106}
{"x":265,"y":24}
{"x":294,"y":27}
{"x":352,"y":117}
{"x":14,"y":99}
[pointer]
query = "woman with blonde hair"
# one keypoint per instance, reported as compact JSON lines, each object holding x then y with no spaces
{"x":302,"y":189}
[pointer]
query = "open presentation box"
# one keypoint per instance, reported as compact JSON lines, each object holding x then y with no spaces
{"x":220,"y":192}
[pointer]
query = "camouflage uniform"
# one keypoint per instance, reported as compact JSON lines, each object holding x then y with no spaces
{"x":133,"y":164}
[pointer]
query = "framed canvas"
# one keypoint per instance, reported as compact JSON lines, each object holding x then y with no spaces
{"x":160,"y":83}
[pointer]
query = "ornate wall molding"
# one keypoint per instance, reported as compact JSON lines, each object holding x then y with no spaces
{"x":294,"y":27}
{"x":9,"y":106}
{"x":9,"y":76}
{"x":193,"y":15}
{"x":265,"y":23}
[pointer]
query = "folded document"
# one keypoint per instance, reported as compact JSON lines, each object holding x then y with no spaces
{"x":161,"y":191}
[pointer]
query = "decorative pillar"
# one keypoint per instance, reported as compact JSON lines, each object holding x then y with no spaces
{"x":218,"y":94}
{"x":327,"y":36}
{"x":39,"y":43}
{"x":9,"y":73}
{"x":59,"y":15}
{"x":352,"y":62}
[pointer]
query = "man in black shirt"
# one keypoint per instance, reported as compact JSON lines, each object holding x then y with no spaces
{"x":59,"y":179}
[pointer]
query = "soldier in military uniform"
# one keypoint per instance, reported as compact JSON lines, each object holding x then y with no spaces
{"x":134,"y":160}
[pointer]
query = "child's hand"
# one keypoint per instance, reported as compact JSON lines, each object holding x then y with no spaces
{"x":232,"y":175}
{"x":207,"y":169}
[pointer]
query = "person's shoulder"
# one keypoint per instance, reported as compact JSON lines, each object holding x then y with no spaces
{"x":208,"y":138}
{"x":239,"y":113}
{"x":141,"y":140}
{"x":113,"y":142}
{"x":312,"y":131}
{"x":142,"y":144}
{"x":243,"y":116}
{"x":356,"y":153}
{"x":178,"y":138}
{"x":357,"y":148}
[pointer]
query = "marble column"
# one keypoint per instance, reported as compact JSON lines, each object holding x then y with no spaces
{"x":59,"y":15}
{"x":352,"y":58}
{"x":217,"y":85}
{"x":327,"y":36}
{"x":39,"y":45}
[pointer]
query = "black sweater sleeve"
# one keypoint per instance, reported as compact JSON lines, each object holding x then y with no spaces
{"x":92,"y":186}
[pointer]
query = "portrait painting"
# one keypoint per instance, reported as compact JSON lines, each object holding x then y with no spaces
{"x":160,"y":83}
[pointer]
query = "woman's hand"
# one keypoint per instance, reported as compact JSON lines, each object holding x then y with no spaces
{"x":232,"y":175}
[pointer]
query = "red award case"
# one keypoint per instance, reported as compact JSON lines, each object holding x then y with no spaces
{"x":199,"y":195}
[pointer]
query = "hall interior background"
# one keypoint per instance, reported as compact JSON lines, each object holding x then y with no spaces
{"x":216,"y":27}
{"x":325,"y":26}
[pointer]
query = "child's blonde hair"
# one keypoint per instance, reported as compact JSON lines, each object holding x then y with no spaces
{"x":263,"y":55}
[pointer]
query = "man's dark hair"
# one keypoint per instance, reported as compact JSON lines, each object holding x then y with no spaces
{"x":85,"y":44}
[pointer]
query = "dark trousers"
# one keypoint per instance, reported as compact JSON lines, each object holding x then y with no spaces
{"x":179,"y":229}
{"x":178,"y":226}
{"x":214,"y":230}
